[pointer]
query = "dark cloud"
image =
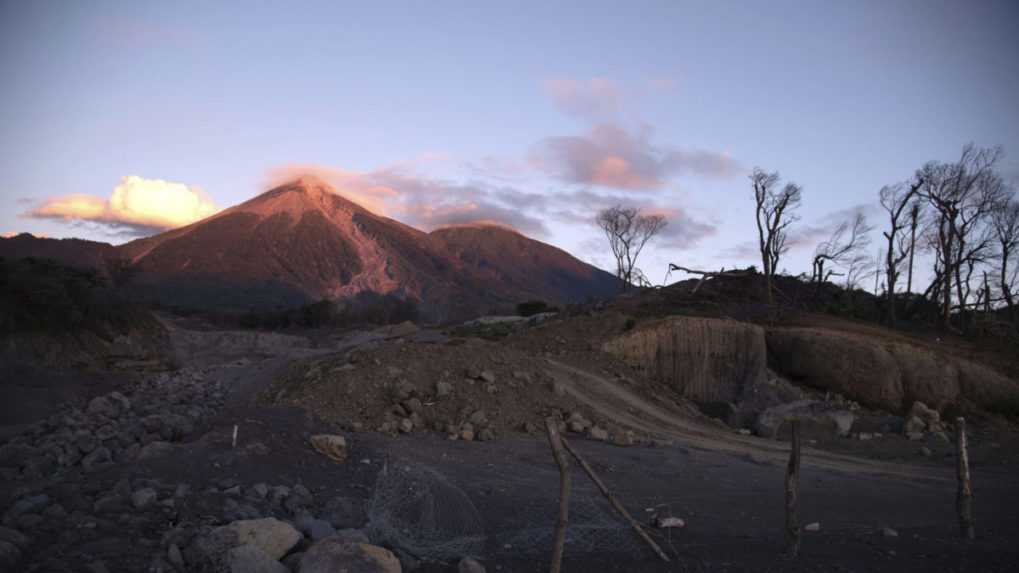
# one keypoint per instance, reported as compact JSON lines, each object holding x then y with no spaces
{"x":610,"y":156}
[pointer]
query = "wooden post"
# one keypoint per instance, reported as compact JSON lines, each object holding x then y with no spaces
{"x":792,"y":493}
{"x":614,"y":502}
{"x":964,"y":493}
{"x":555,"y":441}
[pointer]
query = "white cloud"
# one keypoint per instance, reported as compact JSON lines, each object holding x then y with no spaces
{"x":136,"y":202}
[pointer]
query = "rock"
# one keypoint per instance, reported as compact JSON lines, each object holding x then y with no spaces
{"x":915,"y":436}
{"x":406,"y":425}
{"x":352,"y":535}
{"x":486,"y":376}
{"x":105,"y":407}
{"x":99,"y":458}
{"x":888,"y":532}
{"x":14,"y":537}
{"x":112,"y":503}
{"x":925,"y":451}
{"x":85,"y":441}
{"x":336,"y":554}
{"x":478,"y":418}
{"x":174,"y":555}
{"x":314,"y":529}
{"x":443,"y":389}
{"x":941,"y":437}
{"x":143,"y":498}
{"x":865,"y":436}
{"x":491,"y":388}
{"x":671,"y":522}
{"x":467,"y":435}
{"x":914,"y":425}
{"x":469,"y":565}
{"x":155,"y":450}
{"x":627,"y":438}
{"x":121,"y":401}
{"x":10,"y":555}
{"x":32,"y":504}
{"x":293,"y":561}
{"x":812,"y":527}
{"x":257,"y":492}
{"x":843,"y":421}
{"x":486,"y":435}
{"x":272,"y":536}
{"x":412,"y":405}
{"x":250,"y":559}
{"x":596,"y":433}
{"x":331,"y":446}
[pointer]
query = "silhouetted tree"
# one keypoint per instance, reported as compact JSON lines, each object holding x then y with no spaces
{"x":895,"y":199}
{"x":1005,"y":222}
{"x":962,"y":194}
{"x":628,"y":231}
{"x":846,"y":242}
{"x":774,"y":210}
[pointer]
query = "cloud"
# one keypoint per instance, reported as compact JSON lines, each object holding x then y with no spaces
{"x":809,"y":235}
{"x":137,"y":204}
{"x":423,"y":202}
{"x":8,"y":234}
{"x":610,"y":156}
{"x":595,"y":98}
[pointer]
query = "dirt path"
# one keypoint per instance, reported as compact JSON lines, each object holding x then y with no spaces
{"x":615,"y":402}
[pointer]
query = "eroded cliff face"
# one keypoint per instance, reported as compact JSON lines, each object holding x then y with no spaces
{"x":884,"y":374}
{"x":704,"y":359}
{"x":713,"y":360}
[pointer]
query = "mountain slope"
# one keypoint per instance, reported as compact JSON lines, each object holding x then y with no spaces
{"x":301,"y":242}
{"x":523,"y":266}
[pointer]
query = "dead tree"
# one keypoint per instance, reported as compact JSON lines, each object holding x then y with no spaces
{"x":628,"y":231}
{"x":1005,"y":221}
{"x":962,"y":194}
{"x":895,"y":199}
{"x":915,"y":210}
{"x":775,"y":211}
{"x":565,"y":487}
{"x":840,"y":248}
{"x":705,"y":275}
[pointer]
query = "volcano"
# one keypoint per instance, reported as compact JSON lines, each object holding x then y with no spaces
{"x":302,"y":242}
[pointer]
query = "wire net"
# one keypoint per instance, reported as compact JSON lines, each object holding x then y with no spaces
{"x":420,"y":510}
{"x":417,"y":509}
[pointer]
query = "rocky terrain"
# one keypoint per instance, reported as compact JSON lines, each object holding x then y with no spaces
{"x":406,"y":448}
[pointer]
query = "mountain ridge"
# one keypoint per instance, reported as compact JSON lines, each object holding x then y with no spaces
{"x":301,"y":242}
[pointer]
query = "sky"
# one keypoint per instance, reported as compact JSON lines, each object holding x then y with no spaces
{"x":122,"y":119}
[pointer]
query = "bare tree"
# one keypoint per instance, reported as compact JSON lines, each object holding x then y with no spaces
{"x":628,"y":231}
{"x":962,"y":195}
{"x":1005,"y":222}
{"x":775,"y":212}
{"x":915,"y":214}
{"x":859,"y":268}
{"x":846,"y":242}
{"x":895,"y":199}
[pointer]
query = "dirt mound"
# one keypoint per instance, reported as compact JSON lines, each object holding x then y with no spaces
{"x":469,"y":389}
{"x":704,"y":359}
{"x":884,"y":374}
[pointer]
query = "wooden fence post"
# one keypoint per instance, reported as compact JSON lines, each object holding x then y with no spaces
{"x":964,"y":493}
{"x":565,"y":487}
{"x":792,"y":493}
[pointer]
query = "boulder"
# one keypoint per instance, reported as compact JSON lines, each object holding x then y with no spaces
{"x":99,"y":458}
{"x":331,"y":446}
{"x":816,"y":419}
{"x":250,"y":559}
{"x":443,"y":389}
{"x":104,"y":406}
{"x":338,"y":554}
{"x":272,"y":536}
{"x":596,"y":433}
{"x":10,"y":555}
